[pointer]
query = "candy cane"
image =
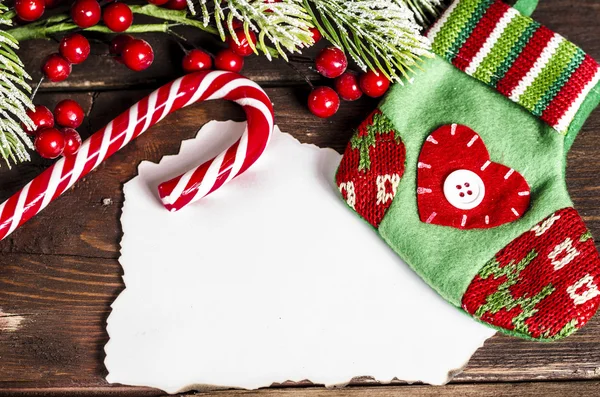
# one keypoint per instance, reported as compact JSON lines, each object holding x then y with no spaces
{"x":179,"y":191}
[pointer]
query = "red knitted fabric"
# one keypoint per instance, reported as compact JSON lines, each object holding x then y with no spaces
{"x":450,"y":148}
{"x":372,"y":167}
{"x":544,"y":284}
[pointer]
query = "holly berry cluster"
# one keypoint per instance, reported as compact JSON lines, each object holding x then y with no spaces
{"x":332,"y":63}
{"x":51,"y":142}
{"x":74,"y":48}
{"x":138,"y":54}
{"x":230,"y":58}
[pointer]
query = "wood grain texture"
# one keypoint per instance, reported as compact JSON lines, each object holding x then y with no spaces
{"x":101,"y":72}
{"x":529,"y":389}
{"x":59,"y":273}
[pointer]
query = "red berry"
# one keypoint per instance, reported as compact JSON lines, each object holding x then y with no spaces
{"x":242,"y":49}
{"x":85,"y":13}
{"x":117,"y":17}
{"x":374,"y":85}
{"x":117,"y":44}
{"x":331,"y":62}
{"x":347,"y":87}
{"x":271,"y":2}
{"x":29,"y":10}
{"x":74,"y":48}
{"x":137,"y":55}
{"x":235,"y":24}
{"x":68,"y":113}
{"x":49,"y":143}
{"x":42,"y":118}
{"x":316,"y":35}
{"x":229,"y":60}
{"x":176,"y":5}
{"x":72,"y":141}
{"x":56,"y":68}
{"x":323,"y":102}
{"x":158,"y":2}
{"x":196,"y":60}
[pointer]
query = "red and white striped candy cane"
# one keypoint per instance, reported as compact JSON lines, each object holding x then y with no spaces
{"x":180,"y":191}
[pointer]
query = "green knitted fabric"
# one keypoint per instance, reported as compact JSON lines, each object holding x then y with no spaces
{"x":526,"y":62}
{"x":448,"y":258}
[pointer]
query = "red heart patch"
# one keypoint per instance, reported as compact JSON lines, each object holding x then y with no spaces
{"x":459,"y":186}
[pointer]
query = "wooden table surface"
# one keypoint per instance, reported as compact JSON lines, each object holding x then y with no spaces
{"x":59,"y":273}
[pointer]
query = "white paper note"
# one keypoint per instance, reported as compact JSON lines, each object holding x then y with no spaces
{"x":271,"y":278}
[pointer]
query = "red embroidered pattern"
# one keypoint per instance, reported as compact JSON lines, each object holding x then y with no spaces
{"x":372,"y":167}
{"x":544,"y":284}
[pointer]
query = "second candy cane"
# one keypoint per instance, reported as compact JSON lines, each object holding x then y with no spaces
{"x":180,"y":191}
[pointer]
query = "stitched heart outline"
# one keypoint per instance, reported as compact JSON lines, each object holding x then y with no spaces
{"x":503,"y":198}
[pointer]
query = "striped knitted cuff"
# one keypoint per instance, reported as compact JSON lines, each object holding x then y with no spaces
{"x":526,"y":62}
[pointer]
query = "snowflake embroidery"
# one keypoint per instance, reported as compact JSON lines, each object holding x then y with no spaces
{"x":376,"y":149}
{"x":383,"y":195}
{"x":350,"y":193}
{"x":590,"y":292}
{"x":545,"y":226}
{"x":520,"y":289}
{"x":565,"y":247}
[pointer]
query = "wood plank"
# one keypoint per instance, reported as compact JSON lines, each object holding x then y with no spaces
{"x":530,"y":389}
{"x":101,"y":72}
{"x":554,"y":389}
{"x":59,"y":305}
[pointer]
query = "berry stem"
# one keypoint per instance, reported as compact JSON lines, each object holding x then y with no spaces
{"x":29,"y":32}
{"x":179,"y":39}
{"x":179,"y":17}
{"x":180,"y":44}
{"x":295,"y":69}
{"x":37,"y":87}
{"x":61,"y":23}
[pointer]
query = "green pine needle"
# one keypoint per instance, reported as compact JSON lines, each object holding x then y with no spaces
{"x":14,"y":99}
{"x":284,"y":25}
{"x":426,"y":11}
{"x":379,"y":35}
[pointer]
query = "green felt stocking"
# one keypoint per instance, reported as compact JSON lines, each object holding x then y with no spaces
{"x":462,"y":172}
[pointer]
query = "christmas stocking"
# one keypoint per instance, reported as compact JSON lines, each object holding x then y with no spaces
{"x":462,"y":172}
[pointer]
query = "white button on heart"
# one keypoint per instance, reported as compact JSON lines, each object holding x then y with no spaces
{"x":464,"y":189}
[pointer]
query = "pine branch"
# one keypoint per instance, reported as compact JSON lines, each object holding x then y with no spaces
{"x":425,"y":11}
{"x":284,"y":25}
{"x":14,"y":98}
{"x":377,"y":34}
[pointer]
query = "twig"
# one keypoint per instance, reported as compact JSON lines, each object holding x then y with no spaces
{"x":37,"y":87}
{"x":291,"y":65}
